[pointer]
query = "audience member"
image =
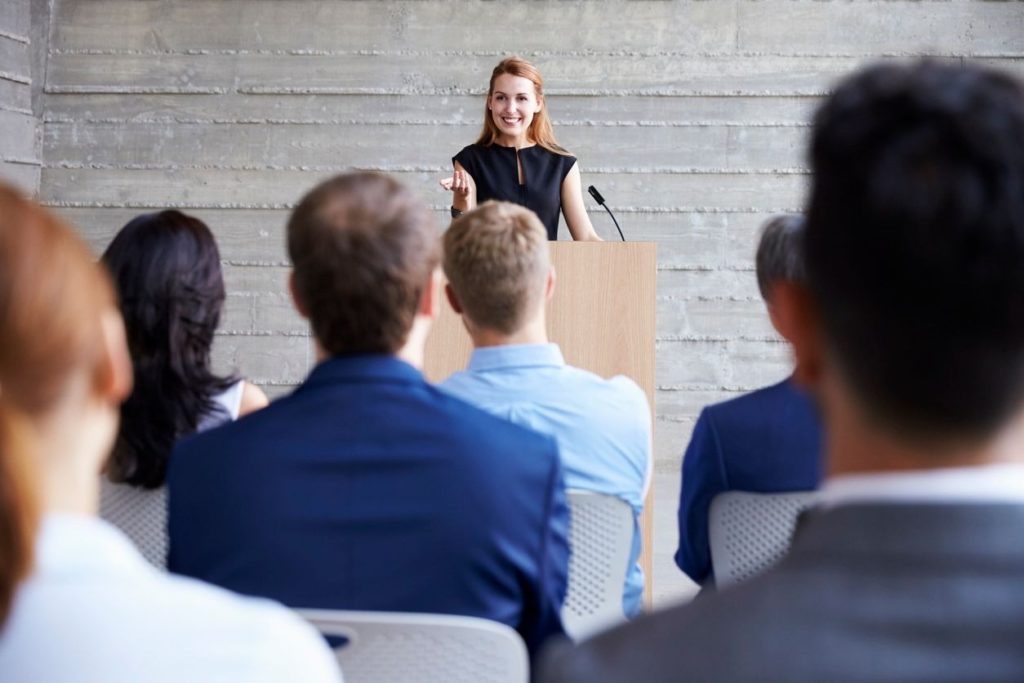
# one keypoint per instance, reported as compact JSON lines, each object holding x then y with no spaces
{"x":497,"y":263}
{"x":166,"y":270}
{"x":93,"y":610}
{"x":765,"y":441}
{"x":911,"y":330}
{"x":367,"y":488}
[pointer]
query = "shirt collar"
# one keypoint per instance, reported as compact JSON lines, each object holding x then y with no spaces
{"x":515,"y":355}
{"x":998,"y":483}
{"x":363,"y":367}
{"x":73,"y":544}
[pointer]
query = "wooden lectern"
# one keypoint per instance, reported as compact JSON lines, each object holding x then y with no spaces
{"x":602,"y":317}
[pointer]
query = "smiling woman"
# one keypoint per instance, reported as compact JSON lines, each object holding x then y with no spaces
{"x":516,"y":159}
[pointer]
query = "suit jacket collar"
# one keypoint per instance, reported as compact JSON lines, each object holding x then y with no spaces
{"x":934,"y":531}
{"x":368,"y":368}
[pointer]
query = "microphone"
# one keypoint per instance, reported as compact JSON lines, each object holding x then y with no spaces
{"x":600,"y":200}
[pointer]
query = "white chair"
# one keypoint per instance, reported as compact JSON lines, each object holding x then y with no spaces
{"x":395,"y":647}
{"x":141,"y":514}
{"x":600,"y":540}
{"x":750,"y":532}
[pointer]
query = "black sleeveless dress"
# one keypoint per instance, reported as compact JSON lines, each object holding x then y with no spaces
{"x":496,"y":174}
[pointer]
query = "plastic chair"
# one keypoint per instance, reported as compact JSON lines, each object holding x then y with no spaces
{"x":600,"y":538}
{"x":386,"y":647}
{"x":750,"y":532}
{"x":141,"y":514}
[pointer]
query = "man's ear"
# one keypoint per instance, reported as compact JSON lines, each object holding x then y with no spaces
{"x":453,"y":298}
{"x":297,"y":301}
{"x":114,"y":376}
{"x":795,"y":316}
{"x":549,"y":286}
{"x":430,"y":299}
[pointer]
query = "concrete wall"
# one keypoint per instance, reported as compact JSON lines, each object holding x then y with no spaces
{"x":20,"y":149}
{"x":691,"y":117}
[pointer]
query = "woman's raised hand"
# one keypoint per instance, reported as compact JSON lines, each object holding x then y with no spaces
{"x":458,"y":183}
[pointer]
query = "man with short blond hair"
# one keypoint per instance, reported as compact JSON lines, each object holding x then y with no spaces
{"x":500,"y":279}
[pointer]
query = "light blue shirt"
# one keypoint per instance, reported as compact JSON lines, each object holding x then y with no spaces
{"x":602,"y":426}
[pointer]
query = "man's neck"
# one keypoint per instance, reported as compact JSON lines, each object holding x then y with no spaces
{"x":856,"y":446}
{"x":529,"y":334}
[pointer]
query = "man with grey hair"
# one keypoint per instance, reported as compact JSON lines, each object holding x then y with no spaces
{"x":500,"y":280}
{"x":765,"y":441}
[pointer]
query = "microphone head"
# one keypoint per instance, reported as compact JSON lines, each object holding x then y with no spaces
{"x":595,"y":194}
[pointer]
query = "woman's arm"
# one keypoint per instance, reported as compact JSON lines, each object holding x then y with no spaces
{"x":253,"y":399}
{"x":574,"y":210}
{"x":463,"y":189}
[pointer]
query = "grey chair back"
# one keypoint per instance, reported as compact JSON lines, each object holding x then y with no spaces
{"x":600,"y":540}
{"x":391,"y":647}
{"x":750,"y":532}
{"x":141,"y":514}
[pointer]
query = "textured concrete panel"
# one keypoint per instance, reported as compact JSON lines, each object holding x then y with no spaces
{"x":18,"y":137}
{"x":14,"y":56}
{"x":458,"y":26}
{"x":15,"y":18}
{"x":874,"y":27}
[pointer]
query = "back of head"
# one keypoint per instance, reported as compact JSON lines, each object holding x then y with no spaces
{"x":780,"y":253}
{"x":166,"y":267}
{"x":915,"y":245}
{"x":52,"y":298}
{"x":496,"y":259}
{"x":363,"y":248}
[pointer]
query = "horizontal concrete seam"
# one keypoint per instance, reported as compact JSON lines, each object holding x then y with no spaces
{"x":132,"y":90}
{"x":15,"y":78}
{"x":548,"y":54}
{"x":724,"y":341}
{"x":700,"y":267}
{"x":687,"y":338}
{"x":700,"y":298}
{"x":75,"y":204}
{"x":400,"y":168}
{"x":16,"y":110}
{"x":674,"y":388}
{"x":577,"y":123}
{"x":22,"y":161}
{"x":256,"y":264}
{"x":16,"y":37}
{"x":262,"y":333}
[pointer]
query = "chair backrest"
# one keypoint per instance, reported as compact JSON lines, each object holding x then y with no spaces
{"x":750,"y":532}
{"x":141,"y":514}
{"x":387,"y":647}
{"x":600,"y":540}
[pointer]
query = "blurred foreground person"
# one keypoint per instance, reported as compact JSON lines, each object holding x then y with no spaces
{"x":911,"y":332}
{"x":93,"y":609}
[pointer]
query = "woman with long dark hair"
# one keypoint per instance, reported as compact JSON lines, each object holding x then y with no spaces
{"x":517,"y":159}
{"x":166,"y":269}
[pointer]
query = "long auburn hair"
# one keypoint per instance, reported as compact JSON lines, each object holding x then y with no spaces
{"x":166,"y":267}
{"x":540,"y":130}
{"x":52,"y":301}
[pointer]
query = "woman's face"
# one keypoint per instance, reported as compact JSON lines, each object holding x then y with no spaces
{"x":513,"y":104}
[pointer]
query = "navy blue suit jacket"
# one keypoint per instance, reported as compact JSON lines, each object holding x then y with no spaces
{"x":369,"y":489}
{"x":766,"y":441}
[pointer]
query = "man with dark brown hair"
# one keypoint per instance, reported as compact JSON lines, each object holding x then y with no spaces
{"x":368,"y":489}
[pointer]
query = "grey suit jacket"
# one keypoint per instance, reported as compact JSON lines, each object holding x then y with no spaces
{"x":879,"y":592}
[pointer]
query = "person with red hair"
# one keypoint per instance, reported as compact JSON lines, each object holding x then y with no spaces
{"x":80,"y":602}
{"x":517,"y":159}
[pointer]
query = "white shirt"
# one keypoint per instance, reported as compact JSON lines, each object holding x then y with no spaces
{"x":999,"y":483}
{"x":94,"y":610}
